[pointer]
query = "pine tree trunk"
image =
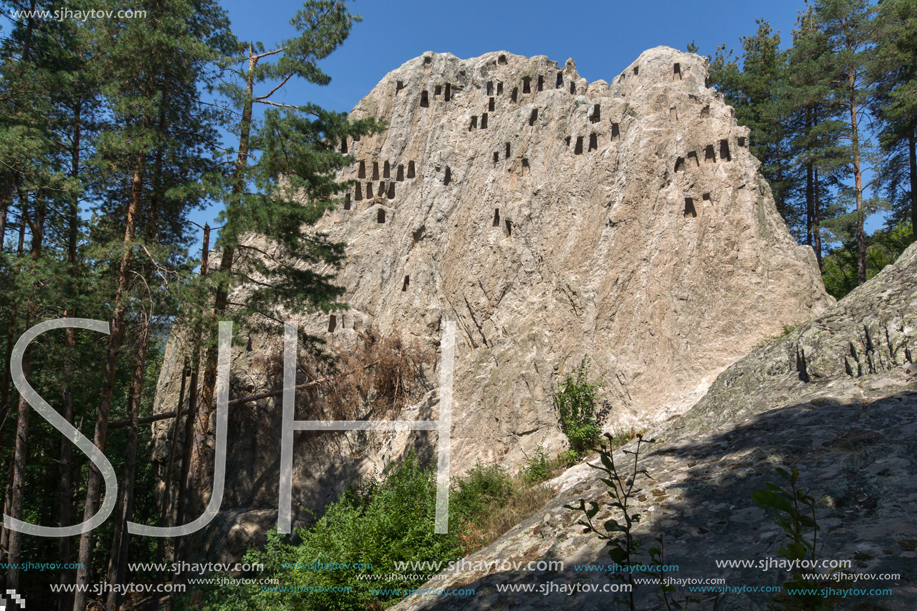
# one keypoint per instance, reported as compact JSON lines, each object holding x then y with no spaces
{"x":10,"y":341}
{"x":181,"y":499}
{"x":166,"y":509}
{"x":64,"y":512}
{"x":858,"y":187}
{"x":816,"y":232}
{"x":222,"y":294}
{"x":20,"y":456}
{"x":912,"y":159}
{"x":94,"y":484}
{"x":117,"y":568}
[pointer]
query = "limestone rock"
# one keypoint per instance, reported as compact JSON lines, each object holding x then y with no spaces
{"x":625,"y":222}
{"x":553,"y":219}
{"x":850,"y":431}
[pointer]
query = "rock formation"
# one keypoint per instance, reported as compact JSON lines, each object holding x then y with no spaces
{"x":553,"y":219}
{"x":835,"y":399}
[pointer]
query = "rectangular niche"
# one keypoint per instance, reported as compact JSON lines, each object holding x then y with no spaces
{"x":724,"y":150}
{"x":615,"y":131}
{"x":533,"y":117}
{"x":484,"y":121}
{"x":391,"y":190}
{"x":448,"y":177}
{"x":709,"y":154}
{"x":496,"y":217}
{"x":399,"y":174}
{"x":490,"y":105}
{"x":515,"y":94}
{"x":406,"y":283}
{"x":509,"y":228}
{"x":347,"y":202}
{"x":540,"y":82}
{"x":410,"y":169}
{"x":496,"y":157}
{"x":361,"y":173}
{"x":593,"y":141}
{"x":380,"y":216}
{"x":680,"y":164}
{"x":578,"y":150}
{"x":424,"y":99}
{"x":358,"y":193}
{"x":596,"y":113}
{"x":526,"y":84}
{"x":474,"y":123}
{"x":375,"y":170}
{"x":507,"y":147}
{"x":332,"y":323}
{"x":499,"y":88}
{"x":448,"y":94}
{"x":692,"y":155}
{"x":560,"y":80}
{"x":676,"y":72}
{"x":690,"y":212}
{"x":741,"y":141}
{"x":490,"y":87}
{"x":438,"y":90}
{"x":399,"y":86}
{"x":344,"y":145}
{"x":386,"y":170}
{"x":381,"y":192}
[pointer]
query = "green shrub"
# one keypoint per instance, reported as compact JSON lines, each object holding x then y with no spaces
{"x":538,"y":467}
{"x":576,"y":401}
{"x":568,"y":458}
{"x":378,"y":524}
{"x":482,"y":487}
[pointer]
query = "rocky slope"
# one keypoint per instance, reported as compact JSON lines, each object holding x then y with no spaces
{"x":835,"y":399}
{"x":553,"y":219}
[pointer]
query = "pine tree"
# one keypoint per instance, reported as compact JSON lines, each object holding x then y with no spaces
{"x":895,"y":105}
{"x":281,"y":182}
{"x":849,"y":29}
{"x":814,"y":128}
{"x":754,"y":90}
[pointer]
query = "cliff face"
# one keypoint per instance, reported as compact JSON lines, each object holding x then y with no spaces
{"x":553,"y":219}
{"x":844,"y":415}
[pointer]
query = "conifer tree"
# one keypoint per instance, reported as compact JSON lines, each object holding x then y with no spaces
{"x":280,"y":183}
{"x":849,"y":29}
{"x":895,"y":104}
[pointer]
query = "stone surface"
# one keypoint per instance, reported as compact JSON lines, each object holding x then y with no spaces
{"x":553,"y":219}
{"x":850,"y":429}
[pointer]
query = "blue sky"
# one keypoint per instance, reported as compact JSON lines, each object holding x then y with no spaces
{"x":602,"y":37}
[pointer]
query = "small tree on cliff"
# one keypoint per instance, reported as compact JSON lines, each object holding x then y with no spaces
{"x":280,"y":182}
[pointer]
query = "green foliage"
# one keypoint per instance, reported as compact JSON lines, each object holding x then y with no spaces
{"x":568,"y":458}
{"x":795,"y":514}
{"x":538,"y":467}
{"x":623,"y":547}
{"x":482,"y":487}
{"x":839,"y":268}
{"x":376,"y":524}
{"x":576,"y":402}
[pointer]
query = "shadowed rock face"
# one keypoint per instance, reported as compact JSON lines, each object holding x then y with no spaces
{"x":845,"y":416}
{"x":553,"y":219}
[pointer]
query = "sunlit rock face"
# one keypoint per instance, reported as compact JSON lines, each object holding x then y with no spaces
{"x":553,"y":219}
